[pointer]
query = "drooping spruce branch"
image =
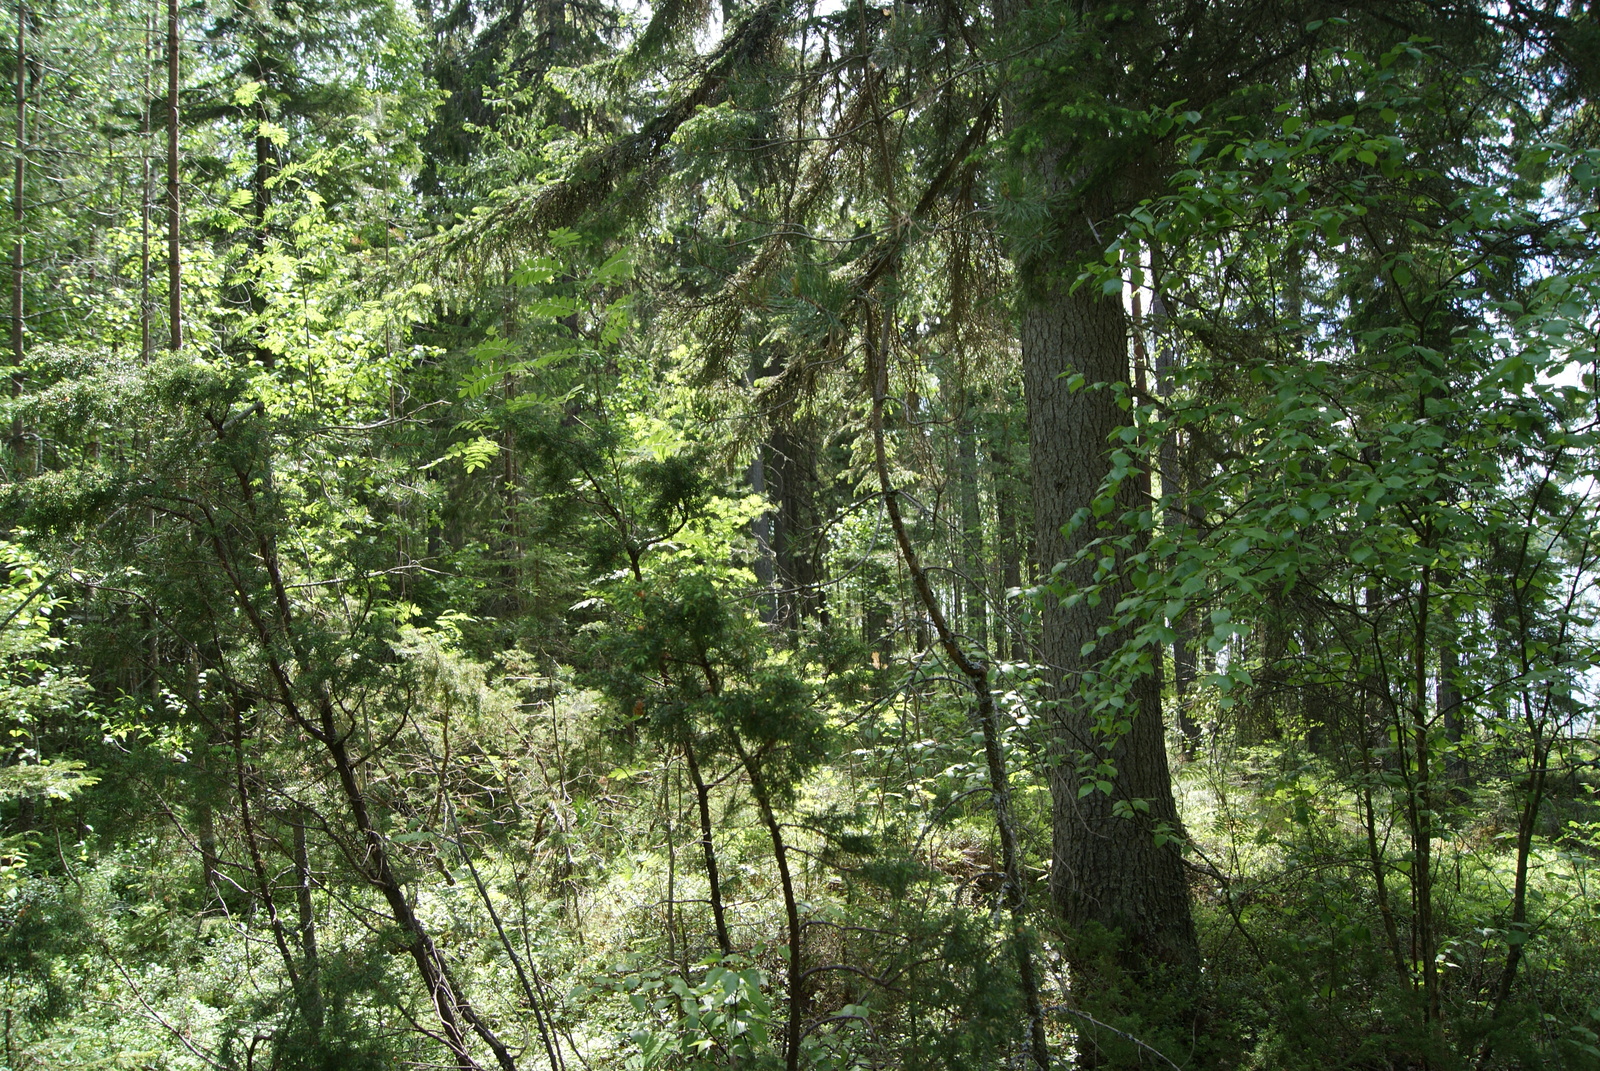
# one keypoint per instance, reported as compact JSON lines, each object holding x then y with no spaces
{"x":596,"y":178}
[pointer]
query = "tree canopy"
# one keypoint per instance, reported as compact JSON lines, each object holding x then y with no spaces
{"x":933,"y":535}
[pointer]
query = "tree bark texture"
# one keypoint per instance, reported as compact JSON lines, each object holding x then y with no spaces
{"x":792,"y":481}
{"x":1108,"y":870}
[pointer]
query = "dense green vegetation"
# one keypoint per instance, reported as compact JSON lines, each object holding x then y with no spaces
{"x":927,"y":536}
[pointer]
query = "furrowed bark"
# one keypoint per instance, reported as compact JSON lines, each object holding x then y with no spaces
{"x":1109,"y":869}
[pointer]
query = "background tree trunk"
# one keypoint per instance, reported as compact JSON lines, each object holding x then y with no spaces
{"x":18,"y":242}
{"x":174,"y":229}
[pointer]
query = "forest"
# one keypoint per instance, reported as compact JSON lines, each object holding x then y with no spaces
{"x":914,"y":535}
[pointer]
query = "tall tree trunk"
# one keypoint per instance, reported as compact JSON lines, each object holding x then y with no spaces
{"x":306,"y":924}
{"x":19,"y":156}
{"x":174,"y":263}
{"x":1115,"y":872}
{"x":708,"y":848}
{"x":145,"y":344}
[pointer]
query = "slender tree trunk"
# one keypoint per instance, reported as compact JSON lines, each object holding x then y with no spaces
{"x":765,"y":565}
{"x":19,"y":156}
{"x":702,"y":793}
{"x":1011,"y":639}
{"x":261,"y":202}
{"x":210,"y":884}
{"x":305,"y":909}
{"x":1421,"y":801}
{"x":298,"y":684}
{"x":532,"y":987}
{"x":265,"y":893}
{"x":761,"y":528}
{"x":1447,"y":692}
{"x":1176,"y":518}
{"x":974,"y":590}
{"x":792,"y":479}
{"x":205,"y":819}
{"x":1527,"y":823}
{"x":174,"y":263}
{"x":669,"y":780}
{"x":145,"y":343}
{"x":791,"y":907}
